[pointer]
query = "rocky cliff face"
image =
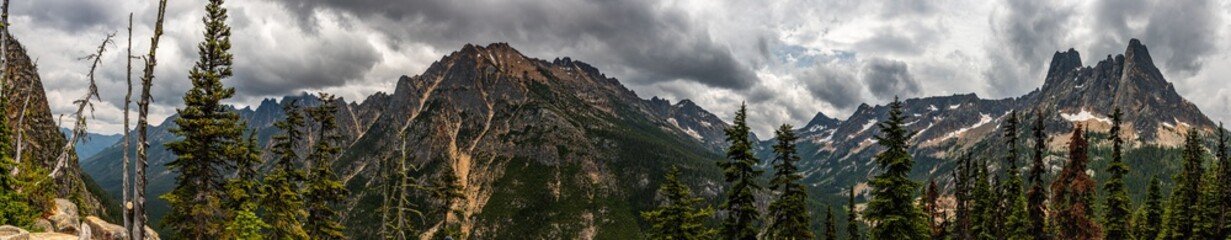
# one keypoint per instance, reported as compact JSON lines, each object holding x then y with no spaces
{"x":27,"y":113}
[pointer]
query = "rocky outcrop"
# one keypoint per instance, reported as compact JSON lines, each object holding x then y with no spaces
{"x":65,"y":223}
{"x":13,"y":233}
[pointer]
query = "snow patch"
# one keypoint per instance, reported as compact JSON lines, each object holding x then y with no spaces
{"x":932,"y":108}
{"x":868,"y":125}
{"x":1083,"y":116}
{"x":952,"y":107}
{"x":689,"y":131}
{"x":983,"y":119}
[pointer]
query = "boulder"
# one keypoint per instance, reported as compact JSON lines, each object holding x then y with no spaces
{"x":13,"y":233}
{"x":41,"y":225}
{"x":52,"y":236}
{"x":64,"y":218}
{"x":102,"y":230}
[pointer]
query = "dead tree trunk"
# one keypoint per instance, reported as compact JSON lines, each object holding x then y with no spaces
{"x":143,"y":111}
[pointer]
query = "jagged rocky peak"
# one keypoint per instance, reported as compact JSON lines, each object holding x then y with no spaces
{"x":820,"y":122}
{"x":1061,"y":63}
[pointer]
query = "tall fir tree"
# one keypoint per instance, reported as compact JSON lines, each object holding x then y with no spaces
{"x":831,"y":230}
{"x":852,"y":218}
{"x":743,"y":218}
{"x":1182,"y":212}
{"x":212,"y":138}
{"x":677,"y":217}
{"x":1223,"y":185}
{"x":983,"y":213}
{"x":324,"y":191}
{"x":1073,"y":194}
{"x":788,"y":214}
{"x":1206,"y":225}
{"x":1150,"y":217}
{"x":962,"y":194}
{"x":1036,"y":196}
{"x":283,"y":204}
{"x":1116,"y":219}
{"x":892,"y":212}
{"x":1017,"y":226}
{"x":244,"y":195}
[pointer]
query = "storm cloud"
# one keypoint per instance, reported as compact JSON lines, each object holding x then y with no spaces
{"x":787,"y":59}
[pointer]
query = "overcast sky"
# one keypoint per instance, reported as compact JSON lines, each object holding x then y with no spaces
{"x":788,"y":59}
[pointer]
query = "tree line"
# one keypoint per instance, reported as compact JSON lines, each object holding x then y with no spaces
{"x":986,"y":203}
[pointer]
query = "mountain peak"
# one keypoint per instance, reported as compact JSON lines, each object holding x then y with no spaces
{"x":822,"y":120}
{"x":1062,"y":62}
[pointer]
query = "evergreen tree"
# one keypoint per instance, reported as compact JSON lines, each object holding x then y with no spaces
{"x":1073,"y":194}
{"x":397,"y":208}
{"x":852,"y":219}
{"x":212,"y":138}
{"x":963,"y":189}
{"x":831,"y":230}
{"x":245,"y":226}
{"x":1117,"y":216}
{"x":1223,"y":185}
{"x":1206,"y":225}
{"x":283,"y":203}
{"x":1017,"y":225}
{"x":983,"y":214}
{"x":1036,"y":197}
{"x":244,"y":190}
{"x":1182,"y":214}
{"x":324,"y":191}
{"x":1150,"y":216}
{"x":739,"y":170}
{"x":789,"y":215}
{"x":678,"y":217}
{"x":892,"y":211}
{"x":933,"y":209}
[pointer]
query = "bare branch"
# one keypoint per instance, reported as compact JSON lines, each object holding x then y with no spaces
{"x":79,"y":127}
{"x":21,"y":118}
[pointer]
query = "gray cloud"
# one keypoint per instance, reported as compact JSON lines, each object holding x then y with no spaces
{"x":834,"y":83}
{"x":661,"y":44}
{"x":1187,"y":32}
{"x":1030,"y":31}
{"x":889,"y":78}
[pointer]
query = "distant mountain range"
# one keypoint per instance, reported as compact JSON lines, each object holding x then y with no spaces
{"x":558,"y":150}
{"x":92,"y":143}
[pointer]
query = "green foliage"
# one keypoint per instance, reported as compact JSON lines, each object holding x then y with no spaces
{"x":244,"y":191}
{"x":1150,"y":216}
{"x":246,"y":226}
{"x":1183,"y":210}
{"x":283,"y":204}
{"x":324,"y":190}
{"x":743,"y":218}
{"x":1116,"y":220}
{"x":678,"y":217}
{"x":852,"y":219}
{"x":212,"y":137}
{"x":1036,"y":196}
{"x":983,"y":213}
{"x":831,"y":230}
{"x":892,"y":212}
{"x":1223,"y":186}
{"x":1017,"y":225}
{"x":1073,"y":194}
{"x":788,"y":214}
{"x":15,"y":207}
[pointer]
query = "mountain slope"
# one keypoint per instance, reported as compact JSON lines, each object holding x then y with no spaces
{"x":542,"y":150}
{"x":92,"y":143}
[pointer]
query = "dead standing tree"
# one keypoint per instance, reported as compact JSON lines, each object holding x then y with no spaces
{"x":138,"y":227}
{"x":79,"y":126}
